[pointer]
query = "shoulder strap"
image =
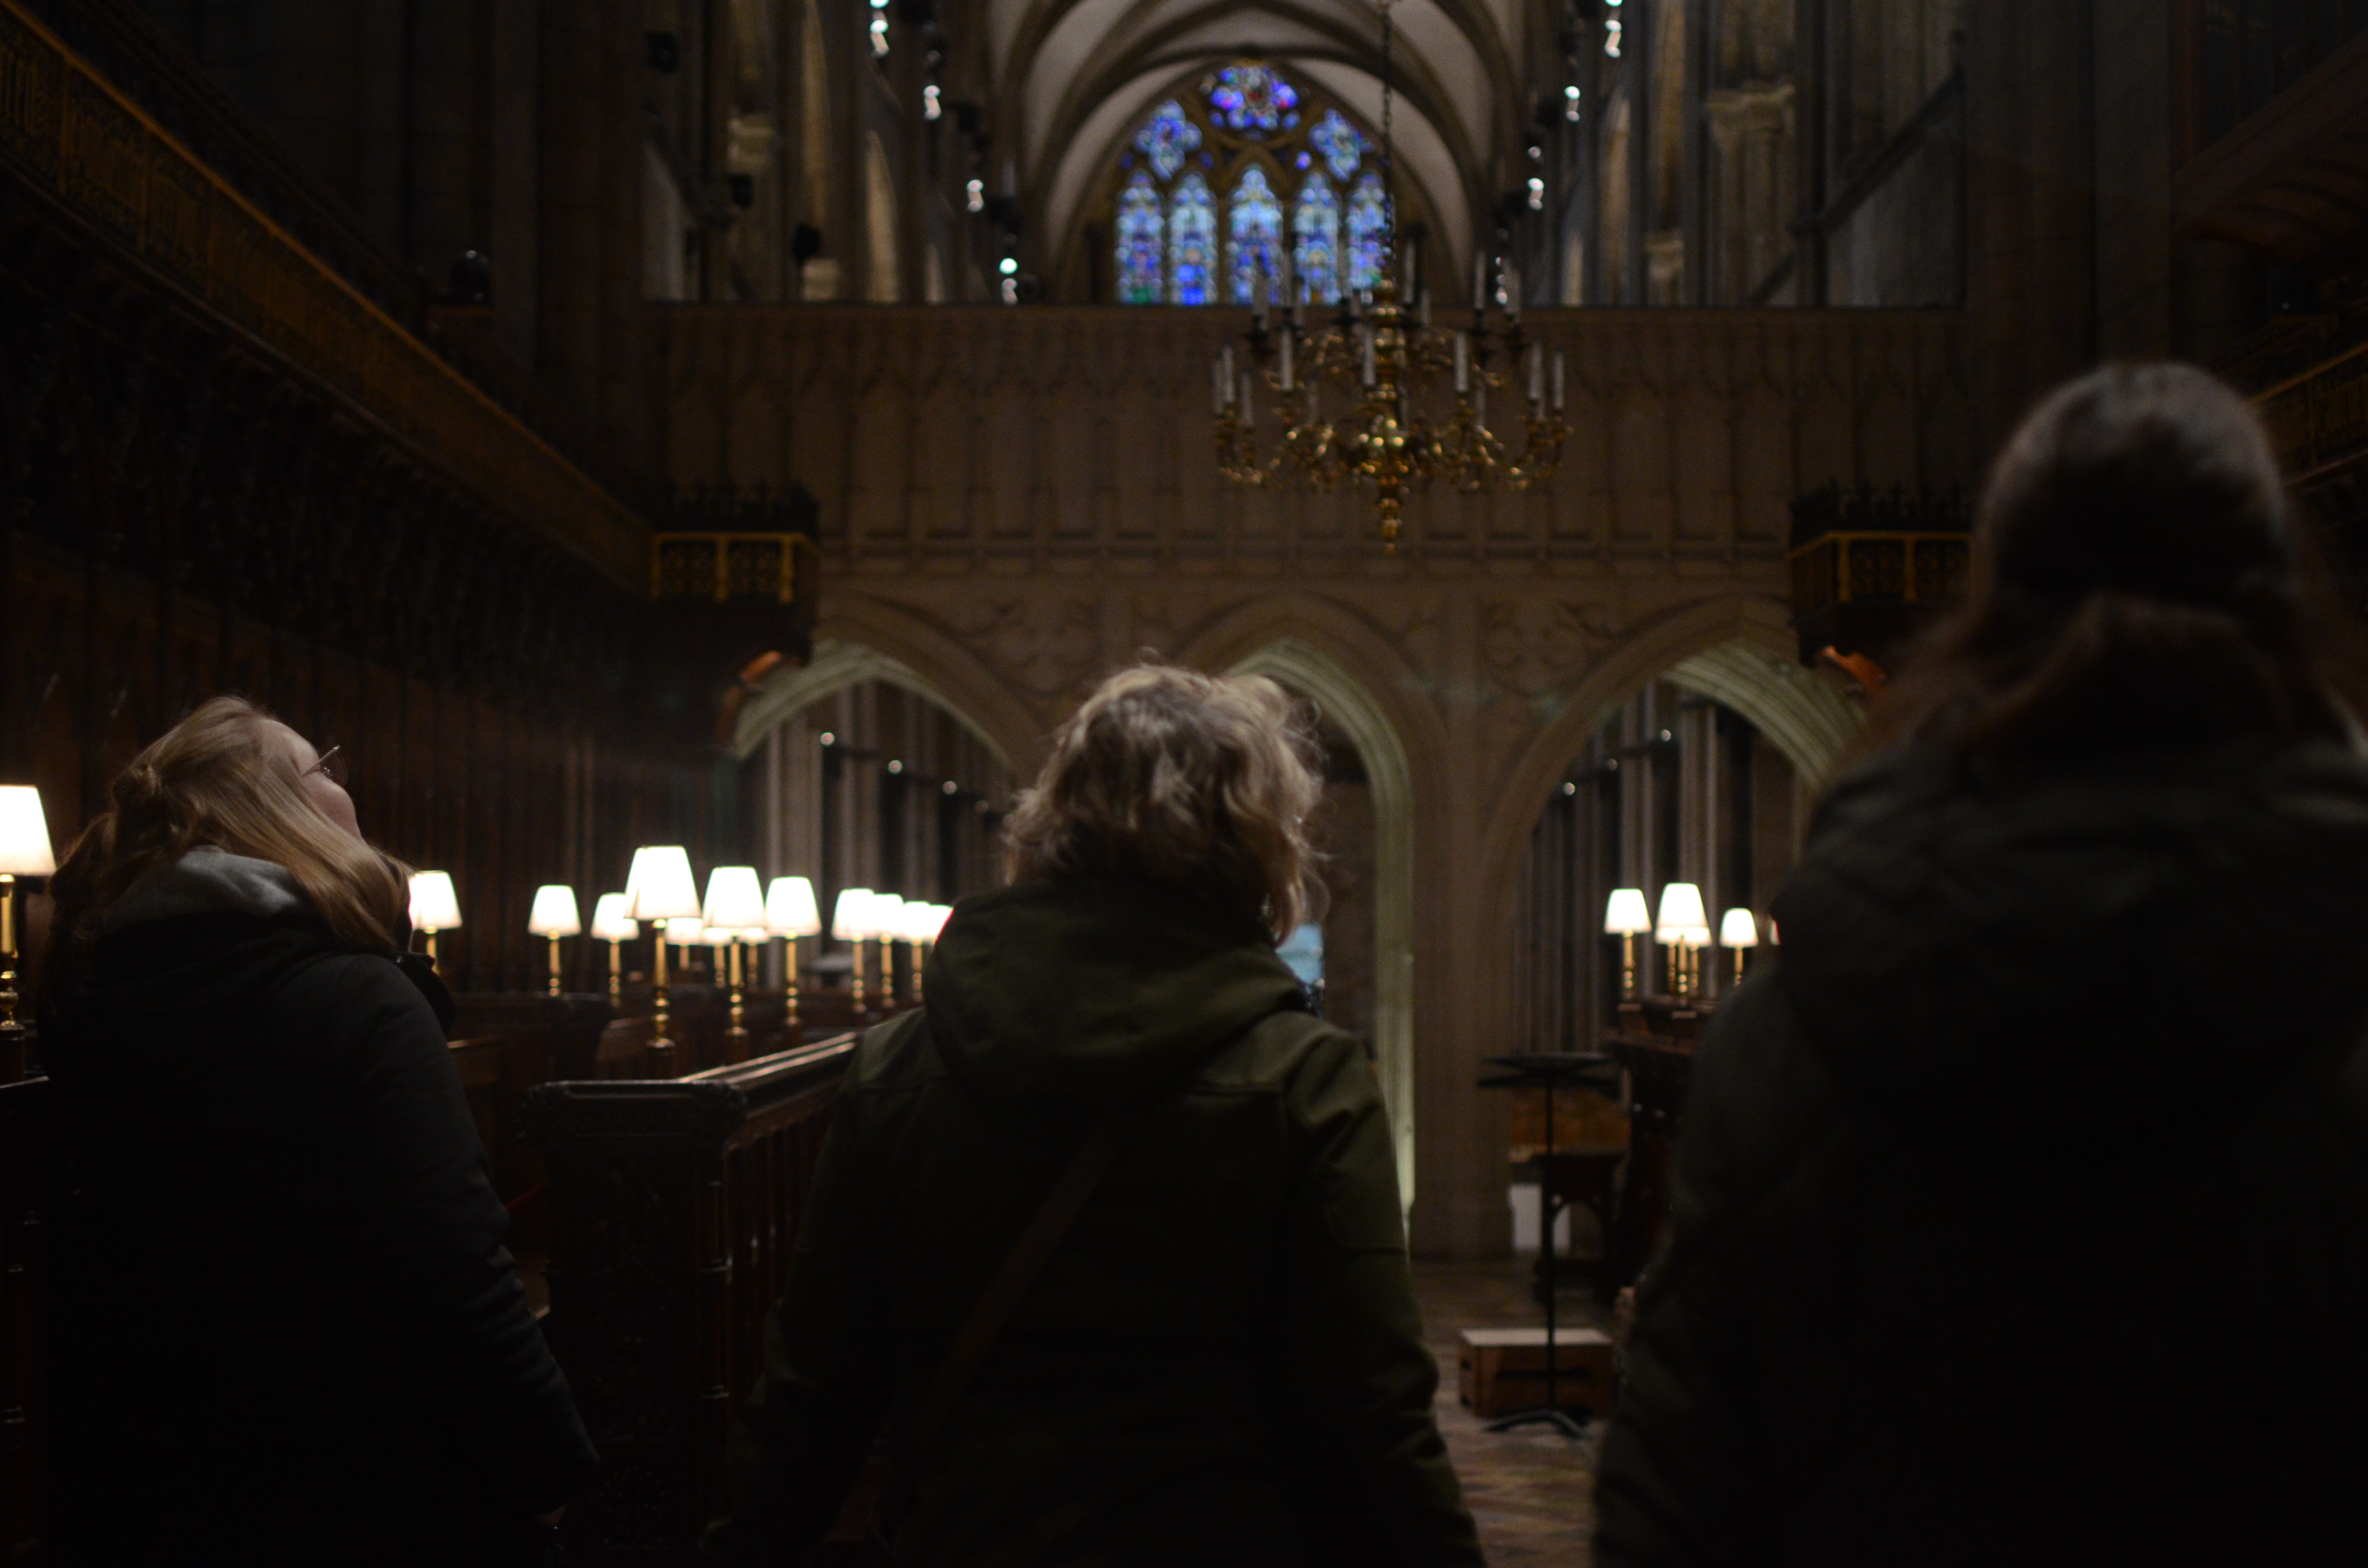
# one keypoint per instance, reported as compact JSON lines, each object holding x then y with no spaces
{"x":1027,"y":1259}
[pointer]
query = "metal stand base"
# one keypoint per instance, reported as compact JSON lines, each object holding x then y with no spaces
{"x":1562,"y":1421}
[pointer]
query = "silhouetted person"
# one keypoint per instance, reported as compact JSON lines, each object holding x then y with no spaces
{"x":2021,"y":1206}
{"x":1222,"y":1363}
{"x":285,"y":1331}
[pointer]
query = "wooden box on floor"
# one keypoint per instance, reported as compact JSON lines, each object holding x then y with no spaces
{"x":1504,"y":1369}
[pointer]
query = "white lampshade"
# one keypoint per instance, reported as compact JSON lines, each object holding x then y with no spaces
{"x":683,"y":930}
{"x":887,"y":916}
{"x":850,"y":916}
{"x":661,"y":886}
{"x":1682,"y":911}
{"x":553,"y":914}
{"x":735,"y":899}
{"x":1738,"y":928}
{"x":719,"y":936}
{"x":1695,"y":935}
{"x":434,"y":905}
{"x":924,"y":921}
{"x":25,"y":849}
{"x":609,"y":921}
{"x":790,"y":908}
{"x":1626,"y":916}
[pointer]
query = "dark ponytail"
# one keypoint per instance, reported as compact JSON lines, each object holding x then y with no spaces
{"x":2139,"y":582}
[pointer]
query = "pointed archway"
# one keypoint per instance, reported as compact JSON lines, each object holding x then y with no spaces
{"x":1346,"y":702}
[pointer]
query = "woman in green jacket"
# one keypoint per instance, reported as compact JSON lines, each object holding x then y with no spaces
{"x":1222,"y":1362}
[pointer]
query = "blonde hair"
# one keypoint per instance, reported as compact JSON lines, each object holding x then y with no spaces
{"x":1205,"y":782}
{"x":220,"y":778}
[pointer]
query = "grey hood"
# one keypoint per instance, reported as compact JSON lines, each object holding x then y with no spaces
{"x":207,"y":881}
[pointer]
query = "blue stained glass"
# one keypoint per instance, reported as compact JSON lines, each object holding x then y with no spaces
{"x":1253,"y":237}
{"x":1316,"y":242}
{"x":1191,"y":243}
{"x":1167,"y":139}
{"x":1340,"y":142}
{"x":1251,"y":101}
{"x":1140,"y":240}
{"x":1368,"y":225}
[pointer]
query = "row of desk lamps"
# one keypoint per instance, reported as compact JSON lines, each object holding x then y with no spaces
{"x":739,"y":909}
{"x":1683,"y":927}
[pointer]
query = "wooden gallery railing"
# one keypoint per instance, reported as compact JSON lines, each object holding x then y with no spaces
{"x":671,"y":1205}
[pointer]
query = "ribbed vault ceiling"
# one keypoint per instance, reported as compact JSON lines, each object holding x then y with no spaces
{"x":1072,"y":78}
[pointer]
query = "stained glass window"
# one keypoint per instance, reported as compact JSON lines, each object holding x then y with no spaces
{"x":1342,"y":146}
{"x":1316,"y":242}
{"x":1191,"y":243}
{"x":1141,"y":241}
{"x":1167,"y":138}
{"x":1369,"y":223}
{"x":1252,"y":101}
{"x":1198,"y":217}
{"x":1253,"y":237}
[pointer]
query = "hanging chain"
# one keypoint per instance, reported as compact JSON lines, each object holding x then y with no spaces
{"x":1389,"y":148}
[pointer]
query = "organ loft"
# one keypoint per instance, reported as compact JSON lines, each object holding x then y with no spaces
{"x":678,"y":465}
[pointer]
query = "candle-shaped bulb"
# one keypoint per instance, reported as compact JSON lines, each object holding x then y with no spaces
{"x":1537,"y":375}
{"x":1557,"y":382}
{"x":1463,"y":364}
{"x":1479,"y":283}
{"x":1368,"y":335}
{"x":1287,"y":335}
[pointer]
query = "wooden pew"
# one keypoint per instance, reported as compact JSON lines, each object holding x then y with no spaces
{"x":504,"y":1043}
{"x":24,"y":1146}
{"x":672,"y":1206}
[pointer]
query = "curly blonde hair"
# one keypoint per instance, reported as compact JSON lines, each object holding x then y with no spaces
{"x":1205,"y":782}
{"x":219,"y":778}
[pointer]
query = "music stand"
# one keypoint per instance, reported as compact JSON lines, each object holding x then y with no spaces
{"x":1544,"y":1071}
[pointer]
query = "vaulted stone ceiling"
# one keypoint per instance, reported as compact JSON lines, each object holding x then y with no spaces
{"x":1072,"y":78}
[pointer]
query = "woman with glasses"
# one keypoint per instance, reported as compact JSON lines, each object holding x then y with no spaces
{"x":287,"y":1329}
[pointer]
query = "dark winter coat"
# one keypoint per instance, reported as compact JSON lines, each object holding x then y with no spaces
{"x":285,"y":1331}
{"x":1223,"y":1364}
{"x":2021,"y":1207}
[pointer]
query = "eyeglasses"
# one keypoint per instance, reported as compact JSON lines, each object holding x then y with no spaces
{"x":322,"y":767}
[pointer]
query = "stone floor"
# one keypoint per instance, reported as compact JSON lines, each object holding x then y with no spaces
{"x":1531,"y":1491}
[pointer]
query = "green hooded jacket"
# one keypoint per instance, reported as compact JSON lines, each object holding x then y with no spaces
{"x":1222,"y":1364}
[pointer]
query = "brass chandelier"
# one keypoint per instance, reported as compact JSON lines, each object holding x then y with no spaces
{"x":1393,"y":373}
{"x":1389,"y":370}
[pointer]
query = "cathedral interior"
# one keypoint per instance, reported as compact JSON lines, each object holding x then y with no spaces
{"x":753,"y":426}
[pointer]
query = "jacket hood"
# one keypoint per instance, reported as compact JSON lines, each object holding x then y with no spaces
{"x":2031,"y":955}
{"x":207,"y":881}
{"x":1092,"y":989}
{"x":204,"y":935}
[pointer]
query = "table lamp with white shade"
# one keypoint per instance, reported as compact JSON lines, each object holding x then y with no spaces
{"x":661,"y":888}
{"x":25,"y":851}
{"x":553,"y":916}
{"x":434,"y":907}
{"x":851,"y":922}
{"x":790,"y":913}
{"x":887,"y":927}
{"x":736,"y":901}
{"x":611,"y":925}
{"x":1681,"y":918}
{"x":1738,"y":928}
{"x":1626,"y":917}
